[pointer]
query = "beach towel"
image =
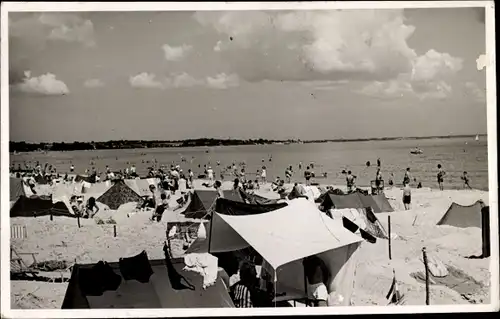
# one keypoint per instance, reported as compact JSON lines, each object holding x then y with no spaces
{"x":136,"y":267}
{"x":205,"y":264}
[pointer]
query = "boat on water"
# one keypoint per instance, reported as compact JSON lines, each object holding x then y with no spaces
{"x":416,"y":151}
{"x":477,"y":137}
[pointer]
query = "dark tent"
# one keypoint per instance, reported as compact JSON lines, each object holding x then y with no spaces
{"x":119,"y":194}
{"x":356,"y":200}
{"x":16,"y":188}
{"x":203,"y":200}
{"x":382,"y":203}
{"x":168,"y":287}
{"x":38,"y":206}
{"x":463,"y":216}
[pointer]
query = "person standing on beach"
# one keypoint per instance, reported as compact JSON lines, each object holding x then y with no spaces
{"x":407,"y":196}
{"x":407,"y":178}
{"x":191,"y":177}
{"x":391,"y":179}
{"x":350,"y":181}
{"x":307,"y":176}
{"x":288,"y":174}
{"x":378,"y":179}
{"x":300,"y":165}
{"x":210,"y":173}
{"x":218,"y":189}
{"x":379,"y":163}
{"x":440,"y":176}
{"x":465,"y":178}
{"x":72,"y":168}
{"x":263,"y":175}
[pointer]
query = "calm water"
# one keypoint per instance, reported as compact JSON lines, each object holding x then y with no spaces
{"x":454,"y":154}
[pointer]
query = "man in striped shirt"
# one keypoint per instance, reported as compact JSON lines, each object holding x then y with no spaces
{"x":241,"y":292}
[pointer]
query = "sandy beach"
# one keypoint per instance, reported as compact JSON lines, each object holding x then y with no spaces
{"x":412,"y":230}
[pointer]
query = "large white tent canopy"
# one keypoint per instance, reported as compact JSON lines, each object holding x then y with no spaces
{"x":282,"y":236}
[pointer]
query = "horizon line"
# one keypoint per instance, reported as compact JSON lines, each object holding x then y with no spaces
{"x":261,"y":138}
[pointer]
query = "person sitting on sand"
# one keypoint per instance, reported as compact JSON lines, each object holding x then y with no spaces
{"x":241,"y":292}
{"x":407,"y":196}
{"x":316,"y":274}
{"x":351,"y":182}
{"x":89,"y":208}
{"x":440,"y":176}
{"x":465,"y":178}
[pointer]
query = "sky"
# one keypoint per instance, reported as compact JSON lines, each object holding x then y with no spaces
{"x":99,"y":76}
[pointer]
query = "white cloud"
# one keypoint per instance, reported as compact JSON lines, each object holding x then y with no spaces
{"x":182,"y":80}
{"x":45,"y":84}
{"x":357,"y":45}
{"x":175,"y":53}
{"x":145,"y":80}
{"x":478,"y":93}
{"x":433,"y":64}
{"x":223,"y":81}
{"x":93,"y":83}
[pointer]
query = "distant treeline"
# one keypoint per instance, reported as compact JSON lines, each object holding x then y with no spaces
{"x":207,"y":142}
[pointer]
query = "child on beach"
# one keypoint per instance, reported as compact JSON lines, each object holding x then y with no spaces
{"x":407,"y":196}
{"x":465,"y":178}
{"x":440,"y":176}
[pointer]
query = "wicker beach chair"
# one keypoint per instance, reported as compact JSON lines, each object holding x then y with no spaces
{"x":18,"y":267}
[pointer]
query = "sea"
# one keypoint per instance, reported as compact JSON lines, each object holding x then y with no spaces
{"x":456,"y":155}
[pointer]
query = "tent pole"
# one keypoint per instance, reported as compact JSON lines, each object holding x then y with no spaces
{"x":427,"y":301}
{"x":210,"y":233}
{"x":389,"y":230}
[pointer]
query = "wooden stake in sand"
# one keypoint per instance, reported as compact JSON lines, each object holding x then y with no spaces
{"x":389,"y":231}
{"x":114,"y":230}
{"x":424,"y":252}
{"x":78,"y":220}
{"x":51,"y":216}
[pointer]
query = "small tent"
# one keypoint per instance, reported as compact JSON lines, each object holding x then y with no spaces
{"x":16,"y":188}
{"x":169,"y":286}
{"x":35,"y":206}
{"x":284,"y":237}
{"x":463,"y":216}
{"x":119,"y":194}
{"x":202,"y":202}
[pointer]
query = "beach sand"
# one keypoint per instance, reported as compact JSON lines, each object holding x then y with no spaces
{"x":61,"y":239}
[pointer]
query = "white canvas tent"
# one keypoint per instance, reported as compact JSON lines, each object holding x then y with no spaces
{"x":284,"y":237}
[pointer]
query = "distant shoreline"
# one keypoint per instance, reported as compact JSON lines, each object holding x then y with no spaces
{"x":23,"y":147}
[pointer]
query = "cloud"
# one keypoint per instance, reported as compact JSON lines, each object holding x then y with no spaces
{"x":175,"y":53}
{"x":334,"y":45}
{"x":45,"y":84}
{"x":145,"y":80}
{"x":223,"y":81}
{"x":40,"y":27}
{"x":474,"y":90}
{"x":93,"y":83}
{"x":182,"y":80}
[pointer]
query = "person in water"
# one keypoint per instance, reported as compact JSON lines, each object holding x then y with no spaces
{"x":465,"y":178}
{"x":407,"y":196}
{"x":440,"y":176}
{"x":391,"y":179}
